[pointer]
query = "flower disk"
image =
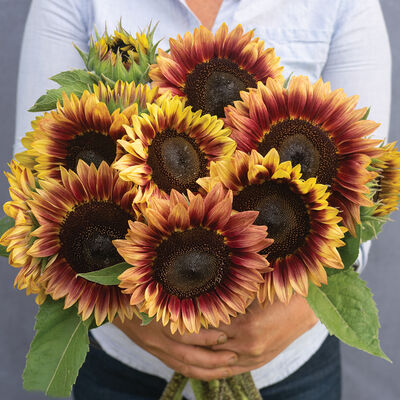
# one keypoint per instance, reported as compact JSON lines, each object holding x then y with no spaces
{"x":171,"y":147}
{"x":78,"y":220}
{"x":212,"y":70}
{"x":296,"y":212}
{"x":315,"y":127}
{"x":194,"y":263}
{"x":387,"y":194}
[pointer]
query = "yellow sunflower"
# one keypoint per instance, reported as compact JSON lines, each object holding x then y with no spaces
{"x":212,"y":70}
{"x":387,"y":195}
{"x":296,"y":212}
{"x":17,"y":239}
{"x":121,"y":56}
{"x":194,"y":263}
{"x":315,"y":127}
{"x":171,"y":147}
{"x":78,"y":218}
{"x":82,"y":129}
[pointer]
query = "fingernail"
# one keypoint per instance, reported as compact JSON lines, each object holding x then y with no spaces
{"x":232,"y":360}
{"x":222,"y":339}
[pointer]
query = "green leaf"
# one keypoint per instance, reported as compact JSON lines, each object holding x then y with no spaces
{"x":76,"y":81}
{"x":106,"y":276}
{"x":145,"y":319}
{"x":349,"y":253}
{"x":346,"y":307}
{"x":75,"y":78}
{"x":366,"y":114}
{"x":5,"y":224}
{"x":370,"y":228}
{"x":49,"y":100}
{"x":58,"y":349}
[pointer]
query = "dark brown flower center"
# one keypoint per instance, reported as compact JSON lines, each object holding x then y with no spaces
{"x":301,"y":142}
{"x":191,"y":263}
{"x":377,"y":186}
{"x":91,"y":147}
{"x":177,"y":161}
{"x":213,"y":85}
{"x":281,"y":210}
{"x":118,"y":45}
{"x":87,"y":233}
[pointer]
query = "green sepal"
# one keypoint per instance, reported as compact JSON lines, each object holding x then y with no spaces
{"x":58,"y":349}
{"x":371,"y":225}
{"x":346,"y":307}
{"x":366,"y":114}
{"x":287,"y":80}
{"x":106,"y":276}
{"x":145,"y":319}
{"x":76,"y":82}
{"x":5,"y":224}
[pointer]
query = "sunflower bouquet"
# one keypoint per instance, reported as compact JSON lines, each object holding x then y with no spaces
{"x":182,"y":186}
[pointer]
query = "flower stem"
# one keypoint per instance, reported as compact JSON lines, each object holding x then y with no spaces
{"x":174,"y":388}
{"x":250,"y":387}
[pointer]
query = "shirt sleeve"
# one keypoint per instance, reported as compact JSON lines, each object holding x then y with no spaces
{"x":51,"y":29}
{"x":359,"y":61}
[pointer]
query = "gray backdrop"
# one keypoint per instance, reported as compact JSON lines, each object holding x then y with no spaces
{"x":364,"y":377}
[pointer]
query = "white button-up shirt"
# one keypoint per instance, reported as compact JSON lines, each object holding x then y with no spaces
{"x":344,"y":41}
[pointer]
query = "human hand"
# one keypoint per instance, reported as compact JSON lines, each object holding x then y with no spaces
{"x":188,"y":354}
{"x":263,"y":333}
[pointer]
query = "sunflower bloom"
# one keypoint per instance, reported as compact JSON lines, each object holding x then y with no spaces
{"x":296,"y":212}
{"x":387,"y":195}
{"x":171,"y":147}
{"x":17,"y":239}
{"x":81,"y":129}
{"x":121,"y":56}
{"x":315,"y":127}
{"x":193,"y":262}
{"x":212,"y":70}
{"x":78,"y":220}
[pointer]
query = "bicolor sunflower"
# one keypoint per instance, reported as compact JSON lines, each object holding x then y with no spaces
{"x":315,"y":127}
{"x":193,"y":262}
{"x":121,"y":56}
{"x":387,"y":187}
{"x":17,"y":239}
{"x":81,"y":129}
{"x":171,"y":147}
{"x":78,"y":218}
{"x":303,"y":226}
{"x":124,"y":95}
{"x":210,"y":71}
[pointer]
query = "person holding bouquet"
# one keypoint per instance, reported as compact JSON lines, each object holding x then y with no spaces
{"x":284,"y":345}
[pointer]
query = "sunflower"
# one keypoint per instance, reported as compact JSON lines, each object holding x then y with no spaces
{"x":171,"y":147}
{"x":194,"y":263}
{"x":303,"y":226}
{"x":121,"y":56}
{"x":387,"y":188}
{"x":315,"y":127}
{"x":81,"y":129}
{"x":124,"y":95}
{"x":78,"y":219}
{"x":211,"y":70}
{"x":17,"y":238}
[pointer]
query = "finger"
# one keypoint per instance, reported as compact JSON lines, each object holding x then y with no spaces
{"x":206,"y":337}
{"x":200,"y":356}
{"x":195,"y":372}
